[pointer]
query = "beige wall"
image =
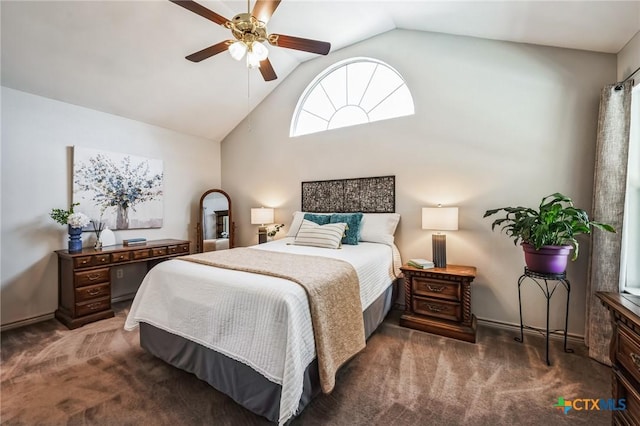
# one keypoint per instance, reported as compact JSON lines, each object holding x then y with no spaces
{"x":37,"y":134}
{"x":629,"y":59}
{"x":496,"y":124}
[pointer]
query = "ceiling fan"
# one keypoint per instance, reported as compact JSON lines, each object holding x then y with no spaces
{"x":250,"y":31}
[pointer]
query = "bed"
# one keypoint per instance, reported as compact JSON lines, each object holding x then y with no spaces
{"x":250,"y":335}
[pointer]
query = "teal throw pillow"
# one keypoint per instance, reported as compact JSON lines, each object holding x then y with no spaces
{"x":353,"y":221}
{"x":320,"y":219}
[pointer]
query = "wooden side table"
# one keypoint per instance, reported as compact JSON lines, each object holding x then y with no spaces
{"x":438,"y":301}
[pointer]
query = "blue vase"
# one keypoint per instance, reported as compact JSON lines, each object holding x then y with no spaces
{"x":75,"y":240}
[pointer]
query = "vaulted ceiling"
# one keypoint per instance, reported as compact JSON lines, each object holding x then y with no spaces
{"x":127,"y":57}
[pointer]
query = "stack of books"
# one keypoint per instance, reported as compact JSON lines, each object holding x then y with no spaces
{"x":134,"y":242}
{"x":421,"y":263}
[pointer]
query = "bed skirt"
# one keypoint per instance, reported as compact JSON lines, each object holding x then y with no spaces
{"x":237,"y":380}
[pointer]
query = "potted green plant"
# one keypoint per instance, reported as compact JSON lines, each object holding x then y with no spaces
{"x":547,"y":234}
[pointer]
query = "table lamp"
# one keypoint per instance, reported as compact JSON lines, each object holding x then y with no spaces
{"x":440,"y":219}
{"x":262,"y":216}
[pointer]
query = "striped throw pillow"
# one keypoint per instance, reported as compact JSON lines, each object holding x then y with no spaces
{"x":325,"y":236}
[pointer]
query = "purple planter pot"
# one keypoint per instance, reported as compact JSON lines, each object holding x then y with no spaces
{"x":548,"y":259}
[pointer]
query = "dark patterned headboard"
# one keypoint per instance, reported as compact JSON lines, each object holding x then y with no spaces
{"x":366,"y":195}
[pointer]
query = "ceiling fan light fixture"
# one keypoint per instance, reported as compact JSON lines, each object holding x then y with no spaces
{"x":255,"y":53}
{"x":237,"y":50}
{"x":260,"y":50}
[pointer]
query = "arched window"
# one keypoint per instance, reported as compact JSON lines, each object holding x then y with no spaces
{"x":351,"y":92}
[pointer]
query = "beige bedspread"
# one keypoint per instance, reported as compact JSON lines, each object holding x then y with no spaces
{"x":334,"y":298}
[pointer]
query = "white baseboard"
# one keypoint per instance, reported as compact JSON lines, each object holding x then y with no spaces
{"x":29,"y":321}
{"x":576,"y":338}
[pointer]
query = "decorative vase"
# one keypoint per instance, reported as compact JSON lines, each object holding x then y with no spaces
{"x":75,"y":240}
{"x":107,"y":237}
{"x":546,"y":260}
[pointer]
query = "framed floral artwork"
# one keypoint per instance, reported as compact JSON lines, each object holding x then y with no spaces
{"x":120,"y":190}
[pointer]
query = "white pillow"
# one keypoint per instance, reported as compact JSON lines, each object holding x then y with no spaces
{"x":325,"y":236}
{"x":379,"y":227}
{"x":297,"y":221}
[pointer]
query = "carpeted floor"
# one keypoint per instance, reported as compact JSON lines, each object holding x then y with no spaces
{"x":98,"y":375}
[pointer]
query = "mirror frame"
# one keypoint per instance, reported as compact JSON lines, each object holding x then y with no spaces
{"x":199,"y":236}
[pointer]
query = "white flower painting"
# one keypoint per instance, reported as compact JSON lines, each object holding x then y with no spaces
{"x":122,"y":191}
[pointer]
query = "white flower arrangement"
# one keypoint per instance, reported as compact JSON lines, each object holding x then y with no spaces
{"x":78,"y":220}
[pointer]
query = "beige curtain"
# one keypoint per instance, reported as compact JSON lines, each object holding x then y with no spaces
{"x":610,"y":179}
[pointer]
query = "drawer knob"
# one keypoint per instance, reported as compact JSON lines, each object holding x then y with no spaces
{"x":435,"y":308}
{"x":435,"y":288}
{"x":636,"y":359}
{"x":93,"y":292}
{"x":93,"y":306}
{"x":93,"y":277}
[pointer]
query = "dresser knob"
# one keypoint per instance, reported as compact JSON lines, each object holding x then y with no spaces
{"x":93,"y":292}
{"x":435,"y":289}
{"x":93,"y":277}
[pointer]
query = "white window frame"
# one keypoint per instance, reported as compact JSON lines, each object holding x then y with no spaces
{"x":294,"y":131}
{"x":630,"y":255}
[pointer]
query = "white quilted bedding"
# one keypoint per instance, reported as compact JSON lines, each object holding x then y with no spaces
{"x":261,"y":321}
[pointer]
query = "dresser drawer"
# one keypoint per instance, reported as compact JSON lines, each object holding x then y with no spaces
{"x":95,"y":276}
{"x":141,"y":254}
{"x":92,"y":292}
{"x":437,"y":308}
{"x":93,"y":306}
{"x":624,"y":389}
{"x":160,"y":251}
{"x":436,"y":288}
{"x":628,"y":351}
{"x":121,"y":257}
{"x":86,"y":261}
{"x":179,"y":249}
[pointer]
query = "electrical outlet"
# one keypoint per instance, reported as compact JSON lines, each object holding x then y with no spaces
{"x":119,"y":273}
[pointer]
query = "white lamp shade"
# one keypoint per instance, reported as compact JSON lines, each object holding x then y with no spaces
{"x":261,"y":216}
{"x":260,"y":50}
{"x":440,"y":218}
{"x":237,"y":50}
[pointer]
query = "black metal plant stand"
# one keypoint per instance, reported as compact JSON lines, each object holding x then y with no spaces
{"x":548,"y":291}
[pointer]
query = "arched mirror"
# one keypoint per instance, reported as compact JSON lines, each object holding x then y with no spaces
{"x":215,"y":227}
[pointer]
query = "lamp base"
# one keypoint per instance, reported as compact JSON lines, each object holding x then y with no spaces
{"x":262,"y":234}
{"x":439,"y":246}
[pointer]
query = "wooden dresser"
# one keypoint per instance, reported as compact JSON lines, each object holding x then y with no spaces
{"x":84,"y":278}
{"x":438,"y":301}
{"x":625,"y":354}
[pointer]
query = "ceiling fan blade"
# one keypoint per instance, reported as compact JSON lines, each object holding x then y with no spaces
{"x":209,"y":51}
{"x":297,"y":43}
{"x":267,"y":70}
{"x":263,"y":9}
{"x":201,"y":10}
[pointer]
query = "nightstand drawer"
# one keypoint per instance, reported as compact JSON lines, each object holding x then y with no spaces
{"x":436,"y":288}
{"x":628,"y":351}
{"x":93,"y":306}
{"x":92,"y":292}
{"x":95,"y":276}
{"x":437,"y":308}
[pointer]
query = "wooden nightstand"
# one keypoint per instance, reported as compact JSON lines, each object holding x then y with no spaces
{"x":438,"y":301}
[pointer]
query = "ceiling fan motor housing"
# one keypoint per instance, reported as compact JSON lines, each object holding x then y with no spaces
{"x":245,"y":27}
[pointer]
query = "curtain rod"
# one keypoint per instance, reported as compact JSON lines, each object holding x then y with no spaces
{"x":619,"y":85}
